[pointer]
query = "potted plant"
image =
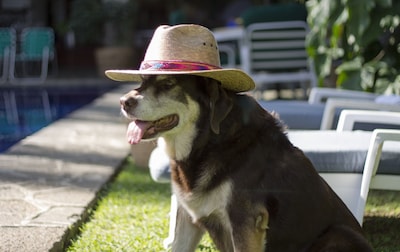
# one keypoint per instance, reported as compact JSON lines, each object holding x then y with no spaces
{"x":108,"y":25}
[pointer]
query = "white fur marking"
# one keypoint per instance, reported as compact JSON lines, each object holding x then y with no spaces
{"x":199,"y":204}
{"x":179,"y":139}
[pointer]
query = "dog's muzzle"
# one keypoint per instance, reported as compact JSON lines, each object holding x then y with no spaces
{"x":128,"y":103}
{"x":141,"y":128}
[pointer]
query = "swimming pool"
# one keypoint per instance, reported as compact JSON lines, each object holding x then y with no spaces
{"x":31,"y":116}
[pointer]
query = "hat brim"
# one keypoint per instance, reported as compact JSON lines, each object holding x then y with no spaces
{"x":230,"y":78}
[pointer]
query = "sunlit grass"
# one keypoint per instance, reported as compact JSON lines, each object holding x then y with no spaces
{"x":132,"y":215}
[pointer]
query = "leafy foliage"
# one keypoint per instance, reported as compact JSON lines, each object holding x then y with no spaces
{"x":92,"y":19}
{"x":86,"y":20}
{"x":360,"y":39}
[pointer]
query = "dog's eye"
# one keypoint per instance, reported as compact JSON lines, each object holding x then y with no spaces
{"x":168,"y":83}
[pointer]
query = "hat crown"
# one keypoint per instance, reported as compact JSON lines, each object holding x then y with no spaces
{"x":192,"y":43}
{"x":185,"y":49}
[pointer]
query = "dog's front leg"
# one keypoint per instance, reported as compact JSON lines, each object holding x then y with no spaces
{"x":219,"y":228}
{"x":187,"y":234}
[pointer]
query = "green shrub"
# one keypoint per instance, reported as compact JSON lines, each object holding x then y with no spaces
{"x":357,"y":39}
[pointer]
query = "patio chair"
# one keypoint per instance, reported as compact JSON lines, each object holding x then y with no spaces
{"x":37,"y":48}
{"x":7,"y":46}
{"x":352,"y":162}
{"x":323,"y":107}
{"x":229,"y":41}
{"x":227,"y":55}
{"x":273,"y":53}
{"x":380,"y":103}
{"x":387,"y":179}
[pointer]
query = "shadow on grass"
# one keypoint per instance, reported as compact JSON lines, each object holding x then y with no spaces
{"x":383,"y":233}
{"x":382,"y":220}
{"x":135,"y":179}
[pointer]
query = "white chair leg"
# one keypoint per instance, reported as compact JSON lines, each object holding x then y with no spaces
{"x":6,"y":61}
{"x":379,"y":136}
{"x":172,"y":222}
{"x":46,"y":106}
{"x":11,"y":107}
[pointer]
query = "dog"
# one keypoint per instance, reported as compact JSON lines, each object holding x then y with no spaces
{"x":235,"y":173}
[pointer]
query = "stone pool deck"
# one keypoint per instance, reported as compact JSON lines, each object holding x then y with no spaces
{"x":48,"y":180}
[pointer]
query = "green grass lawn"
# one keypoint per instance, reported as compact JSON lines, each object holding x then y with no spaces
{"x":132,"y":215}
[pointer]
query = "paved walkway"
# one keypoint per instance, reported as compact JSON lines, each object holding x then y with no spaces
{"x":48,"y":180}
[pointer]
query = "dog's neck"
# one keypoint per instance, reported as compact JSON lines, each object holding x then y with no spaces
{"x":179,"y":147}
{"x":196,"y":137}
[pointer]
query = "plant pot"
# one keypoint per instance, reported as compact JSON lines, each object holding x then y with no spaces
{"x":114,"y":57}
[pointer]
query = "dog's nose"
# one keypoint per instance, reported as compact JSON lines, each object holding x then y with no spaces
{"x":127,"y":102}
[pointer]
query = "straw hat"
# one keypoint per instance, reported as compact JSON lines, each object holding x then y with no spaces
{"x":185,"y":49}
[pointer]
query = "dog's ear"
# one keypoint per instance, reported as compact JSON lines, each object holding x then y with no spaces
{"x":220,"y":104}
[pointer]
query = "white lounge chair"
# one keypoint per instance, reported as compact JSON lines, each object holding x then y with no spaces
{"x":350,"y":160}
{"x":323,"y":107}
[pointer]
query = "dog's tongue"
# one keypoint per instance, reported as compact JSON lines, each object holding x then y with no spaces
{"x":136,"y":130}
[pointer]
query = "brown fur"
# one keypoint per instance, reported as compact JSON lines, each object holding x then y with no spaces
{"x":275,"y":200}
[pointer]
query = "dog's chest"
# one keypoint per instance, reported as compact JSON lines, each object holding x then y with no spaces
{"x":200,"y":204}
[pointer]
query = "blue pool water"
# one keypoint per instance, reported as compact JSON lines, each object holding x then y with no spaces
{"x":31,"y":116}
